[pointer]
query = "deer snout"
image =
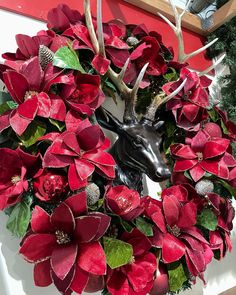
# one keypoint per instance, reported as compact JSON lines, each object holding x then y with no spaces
{"x":163,"y":173}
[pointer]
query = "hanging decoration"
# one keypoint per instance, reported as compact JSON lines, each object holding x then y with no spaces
{"x":76,"y":201}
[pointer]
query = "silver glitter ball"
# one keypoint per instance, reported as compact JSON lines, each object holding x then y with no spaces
{"x":203,"y":187}
{"x":93,"y":194}
{"x":132,"y":41}
{"x":45,"y":56}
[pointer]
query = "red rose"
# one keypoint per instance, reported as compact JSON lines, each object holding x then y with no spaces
{"x":124,"y":202}
{"x":50,"y":185}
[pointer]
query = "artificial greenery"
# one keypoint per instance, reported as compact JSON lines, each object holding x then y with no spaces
{"x":226,"y":43}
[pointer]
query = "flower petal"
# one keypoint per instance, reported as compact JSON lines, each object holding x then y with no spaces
{"x":183,"y":165}
{"x":197,"y":172}
{"x":171,"y":207}
{"x":63,"y":286}
{"x":37,"y":247}
{"x":215,"y":148}
{"x":94,"y":264}
{"x":62,"y":219}
{"x":80,"y":280}
{"x":42,"y":274}
{"x":118,"y":284}
{"x":84,"y":168}
{"x":104,"y":224}
{"x":188,"y":215}
{"x":86,"y":228}
{"x":63,"y":259}
{"x":40,"y":221}
{"x":75,"y":182}
{"x":77,"y":203}
{"x":18,"y":123}
{"x":28,"y":108}
{"x":173,"y":249}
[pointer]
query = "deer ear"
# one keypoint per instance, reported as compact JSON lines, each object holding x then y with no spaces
{"x":158,"y":125}
{"x":108,"y":121}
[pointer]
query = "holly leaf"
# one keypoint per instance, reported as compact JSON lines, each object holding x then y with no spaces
{"x":66,"y":58}
{"x":19,"y":218}
{"x":144,"y":227}
{"x":207,"y":219}
{"x":177,"y":276}
{"x":126,"y":226}
{"x":117,"y":252}
{"x":33,"y":132}
{"x":6,"y":106}
{"x":60,"y":125}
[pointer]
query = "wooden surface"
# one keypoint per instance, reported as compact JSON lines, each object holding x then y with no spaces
{"x":229,"y":292}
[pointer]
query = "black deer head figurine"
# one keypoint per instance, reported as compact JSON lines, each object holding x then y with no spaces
{"x":137,"y":149}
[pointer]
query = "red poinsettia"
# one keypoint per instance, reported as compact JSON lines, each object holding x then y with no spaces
{"x":16,"y":166}
{"x":124,"y":202}
{"x":137,"y":277}
{"x":204,"y":154}
{"x":189,"y":105}
{"x":83,"y":95}
{"x":63,"y":245}
{"x":82,"y":151}
{"x":229,"y":125}
{"x":50,"y":185}
{"x":29,"y":88}
{"x":175,"y":232}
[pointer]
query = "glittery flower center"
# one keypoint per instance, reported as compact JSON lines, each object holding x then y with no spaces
{"x":62,"y":238}
{"x":15,"y":179}
{"x":30,"y":94}
{"x":174,"y":230}
{"x":199,"y":156}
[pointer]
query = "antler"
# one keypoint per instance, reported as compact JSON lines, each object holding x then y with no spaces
{"x":182,"y":56}
{"x":160,"y":100}
{"x":129,"y":94}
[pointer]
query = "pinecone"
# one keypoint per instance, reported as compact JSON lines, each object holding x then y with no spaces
{"x":203,"y":187}
{"x":45,"y":56}
{"x":93,"y":194}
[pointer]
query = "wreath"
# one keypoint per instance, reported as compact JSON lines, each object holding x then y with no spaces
{"x":80,"y":211}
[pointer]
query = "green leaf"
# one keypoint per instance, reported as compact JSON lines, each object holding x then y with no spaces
{"x":33,"y":132}
{"x":224,"y":128}
{"x":207,"y":219}
{"x":66,"y":58}
{"x":231,"y":189}
{"x":213,"y":115}
{"x":172,"y":76}
{"x":117,"y":252}
{"x":177,"y":277}
{"x":127,"y":227}
{"x":4,"y":96}
{"x":187,"y":175}
{"x":19,"y":218}
{"x":60,"y":125}
{"x":144,"y":226}
{"x":6,"y":106}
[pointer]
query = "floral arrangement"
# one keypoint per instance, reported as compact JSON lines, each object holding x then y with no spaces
{"x":80,"y":231}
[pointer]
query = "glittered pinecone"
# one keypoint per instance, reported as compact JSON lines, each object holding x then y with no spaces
{"x":203,"y":187}
{"x":132,"y":41}
{"x":45,"y":56}
{"x":93,"y":194}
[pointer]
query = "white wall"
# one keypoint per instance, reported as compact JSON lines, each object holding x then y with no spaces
{"x":15,"y":274}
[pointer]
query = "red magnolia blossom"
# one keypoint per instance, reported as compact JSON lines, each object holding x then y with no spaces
{"x":30,"y":89}
{"x":82,"y":151}
{"x":65,"y":246}
{"x":137,"y":277}
{"x":83,"y":95}
{"x":204,"y":154}
{"x":50,"y":185}
{"x":189,"y":106}
{"x":220,"y":238}
{"x":15,"y":165}
{"x":175,"y":232}
{"x":124,"y":202}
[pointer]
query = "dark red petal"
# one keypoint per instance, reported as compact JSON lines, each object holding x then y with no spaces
{"x":64,"y":285}
{"x":104,"y":224}
{"x":28,"y":108}
{"x":84,"y":168}
{"x":77,"y":204}
{"x":86,"y":228}
{"x":210,"y":166}
{"x":197,"y":259}
{"x":58,"y":108}
{"x":40,"y":221}
{"x":159,"y":219}
{"x":72,"y":121}
{"x":192,"y":243}
{"x":100,"y":64}
{"x":199,"y":140}
{"x":44,"y":105}
{"x":5,"y":120}
{"x":42,"y":274}
{"x":197,"y":172}
{"x":89,"y":137}
{"x":32,"y":71}
{"x":213,"y":149}
{"x":80,"y":280}
{"x":94,"y":264}
{"x":118,"y":284}
{"x":62,"y":219}
{"x":37,"y":247}
{"x":171,"y":207}
{"x":71,"y":141}
{"x":188,"y":215}
{"x":75,"y":182}
{"x":183,"y":165}
{"x":179,"y":191}
{"x":63,"y":259}
{"x":173,"y":249}
{"x":18,"y":123}
{"x":194,"y":232}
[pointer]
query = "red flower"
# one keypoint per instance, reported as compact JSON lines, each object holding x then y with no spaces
{"x":61,"y":17}
{"x":135,"y":278}
{"x":203,"y":154}
{"x":189,"y":105}
{"x":50,"y":185}
{"x":124,"y":202}
{"x":83,"y":152}
{"x":175,"y":232}
{"x":84,"y":94}
{"x":29,"y":89}
{"x":230,"y":126}
{"x":15,"y":165}
{"x":63,"y":245}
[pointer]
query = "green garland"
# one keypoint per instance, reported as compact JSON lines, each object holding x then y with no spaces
{"x":226,"y":43}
